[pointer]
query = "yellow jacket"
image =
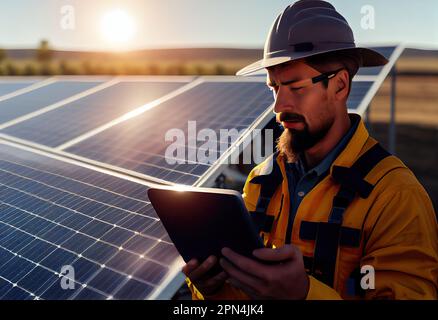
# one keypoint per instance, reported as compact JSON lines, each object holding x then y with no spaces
{"x":399,"y":236}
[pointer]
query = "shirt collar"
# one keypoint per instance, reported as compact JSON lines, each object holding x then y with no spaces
{"x":326,"y":163}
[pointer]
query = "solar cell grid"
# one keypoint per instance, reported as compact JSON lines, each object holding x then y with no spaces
{"x":53,"y":216}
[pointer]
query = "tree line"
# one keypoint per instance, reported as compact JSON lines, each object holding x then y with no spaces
{"x":43,"y":63}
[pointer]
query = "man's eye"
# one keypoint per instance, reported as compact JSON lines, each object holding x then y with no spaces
{"x":295,"y":88}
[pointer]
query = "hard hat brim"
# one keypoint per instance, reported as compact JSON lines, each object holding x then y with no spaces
{"x":370,"y":58}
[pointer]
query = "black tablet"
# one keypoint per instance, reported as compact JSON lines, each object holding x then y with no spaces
{"x":202,"y":221}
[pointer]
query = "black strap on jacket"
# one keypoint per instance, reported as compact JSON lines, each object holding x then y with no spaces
{"x":268,"y":185}
{"x":330,"y":235}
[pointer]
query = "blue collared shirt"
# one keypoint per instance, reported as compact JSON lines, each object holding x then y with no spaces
{"x":301,"y":182}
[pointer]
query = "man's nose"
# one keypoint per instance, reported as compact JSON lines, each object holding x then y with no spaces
{"x":283,"y":101}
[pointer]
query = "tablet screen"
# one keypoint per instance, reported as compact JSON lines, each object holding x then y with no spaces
{"x":202,"y":221}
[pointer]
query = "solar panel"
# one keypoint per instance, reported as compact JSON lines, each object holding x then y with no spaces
{"x":56,"y":214}
{"x":8,"y":87}
{"x":358,"y":91}
{"x":83,"y":115}
{"x":138,"y":143}
{"x":41,"y":97}
{"x":367,"y":74}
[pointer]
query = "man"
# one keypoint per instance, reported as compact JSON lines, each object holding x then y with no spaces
{"x":340,"y":217}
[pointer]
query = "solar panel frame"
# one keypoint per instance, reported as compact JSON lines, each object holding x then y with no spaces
{"x":204,"y":81}
{"x":23,"y":98}
{"x":34,"y":86}
{"x":13,"y":86}
{"x":135,"y":112}
{"x":76,"y":113}
{"x":100,"y":86}
{"x":398,"y":50}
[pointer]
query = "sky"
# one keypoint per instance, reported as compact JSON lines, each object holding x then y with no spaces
{"x":77,"y":24}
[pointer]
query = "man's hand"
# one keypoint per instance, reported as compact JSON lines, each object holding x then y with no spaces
{"x":197,"y":274}
{"x":286,"y":278}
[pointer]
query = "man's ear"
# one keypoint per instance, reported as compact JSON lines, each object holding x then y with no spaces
{"x":342,"y":82}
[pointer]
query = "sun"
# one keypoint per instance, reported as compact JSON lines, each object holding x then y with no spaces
{"x":117,"y":27}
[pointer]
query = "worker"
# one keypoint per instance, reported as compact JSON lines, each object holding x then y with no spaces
{"x":340,"y":217}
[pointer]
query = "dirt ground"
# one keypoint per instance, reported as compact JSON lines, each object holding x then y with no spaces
{"x":416,"y":101}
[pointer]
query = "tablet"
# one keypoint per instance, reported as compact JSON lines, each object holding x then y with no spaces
{"x":202,"y":221}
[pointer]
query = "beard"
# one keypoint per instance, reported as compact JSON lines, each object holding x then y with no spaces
{"x":293,"y":142}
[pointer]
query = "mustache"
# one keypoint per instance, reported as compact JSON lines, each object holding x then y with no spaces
{"x":289,"y":116}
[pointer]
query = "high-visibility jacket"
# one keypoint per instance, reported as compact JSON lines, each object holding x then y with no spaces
{"x":398,"y":238}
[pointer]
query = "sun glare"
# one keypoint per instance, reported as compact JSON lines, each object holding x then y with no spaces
{"x":117,"y":27}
